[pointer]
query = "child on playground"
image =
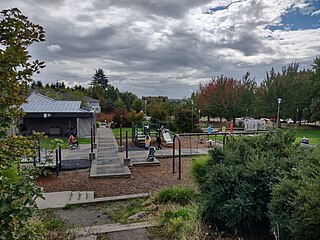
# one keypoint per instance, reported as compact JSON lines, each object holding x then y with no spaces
{"x":158,"y":142}
{"x":147,"y":142}
{"x":73,"y":141}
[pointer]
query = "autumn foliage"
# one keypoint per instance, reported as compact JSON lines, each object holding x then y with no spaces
{"x":226,"y":97}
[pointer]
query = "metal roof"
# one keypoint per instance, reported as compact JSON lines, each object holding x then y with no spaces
{"x":38,"y":103}
{"x":91,"y":99}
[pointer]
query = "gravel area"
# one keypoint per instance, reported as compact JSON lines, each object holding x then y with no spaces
{"x":143,"y":180}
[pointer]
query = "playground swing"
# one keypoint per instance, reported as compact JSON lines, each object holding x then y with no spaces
{"x":210,"y":141}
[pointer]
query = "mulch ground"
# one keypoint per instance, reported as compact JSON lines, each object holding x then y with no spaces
{"x":143,"y":180}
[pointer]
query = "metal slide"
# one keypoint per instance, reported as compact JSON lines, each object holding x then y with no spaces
{"x":166,"y":136}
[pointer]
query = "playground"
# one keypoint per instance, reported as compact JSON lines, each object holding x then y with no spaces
{"x":143,"y":179}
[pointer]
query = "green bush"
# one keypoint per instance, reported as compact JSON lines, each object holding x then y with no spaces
{"x":237,"y":189}
{"x":198,"y":168}
{"x":177,"y":194}
{"x":175,"y":222}
{"x":295,"y":206}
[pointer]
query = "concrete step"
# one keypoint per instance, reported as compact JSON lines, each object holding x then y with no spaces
{"x":90,"y":195}
{"x":82,"y":196}
{"x":74,"y":196}
{"x":54,"y":200}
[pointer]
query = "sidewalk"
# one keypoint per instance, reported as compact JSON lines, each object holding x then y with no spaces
{"x":62,"y":199}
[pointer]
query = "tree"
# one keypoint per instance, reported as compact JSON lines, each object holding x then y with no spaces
{"x":183,"y":119}
{"x":120,"y":117}
{"x":137,"y":105}
{"x":17,"y":188}
{"x":135,"y":117}
{"x":224,"y":97}
{"x":128,"y":99}
{"x":119,"y":103}
{"x":158,"y":111}
{"x":314,"y":108}
{"x":247,"y":97}
{"x":112,"y":93}
{"x":99,"y":78}
{"x":315,"y":78}
{"x":292,"y":85}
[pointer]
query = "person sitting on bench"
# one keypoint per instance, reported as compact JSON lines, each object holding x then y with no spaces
{"x":73,"y":141}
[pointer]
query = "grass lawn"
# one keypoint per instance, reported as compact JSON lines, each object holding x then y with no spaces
{"x":116,"y":132}
{"x":312,"y":134}
{"x":48,"y":143}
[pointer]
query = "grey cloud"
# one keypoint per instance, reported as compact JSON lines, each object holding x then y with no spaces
{"x":249,"y":45}
{"x":172,"y":66}
{"x":166,"y":8}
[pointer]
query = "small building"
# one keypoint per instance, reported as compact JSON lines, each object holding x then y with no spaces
{"x":154,"y":98}
{"x":254,"y":125}
{"x":56,"y":117}
{"x":93,"y":104}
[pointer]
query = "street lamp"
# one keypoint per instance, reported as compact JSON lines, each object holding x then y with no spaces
{"x":192,"y":116}
{"x":199,"y":114}
{"x":297,"y":121}
{"x":278,"y":117}
{"x":145,"y":106}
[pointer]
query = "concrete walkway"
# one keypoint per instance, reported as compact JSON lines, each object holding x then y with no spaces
{"x":62,"y":199}
{"x":108,"y":163}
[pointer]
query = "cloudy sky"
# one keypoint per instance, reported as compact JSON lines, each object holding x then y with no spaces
{"x":168,"y":47}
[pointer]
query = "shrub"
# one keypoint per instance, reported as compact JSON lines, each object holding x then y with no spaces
{"x":295,"y":205}
{"x":178,"y":194}
{"x":175,"y":222}
{"x":184,"y":223}
{"x":198,"y":168}
{"x":239,"y":178}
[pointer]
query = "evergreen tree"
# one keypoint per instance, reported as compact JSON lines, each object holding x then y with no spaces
{"x":99,"y":78}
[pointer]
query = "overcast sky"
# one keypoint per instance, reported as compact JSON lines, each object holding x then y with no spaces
{"x":168,"y":47}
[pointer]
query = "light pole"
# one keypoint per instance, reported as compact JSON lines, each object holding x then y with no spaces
{"x":145,"y":106}
{"x":278,"y":116}
{"x":297,"y":121}
{"x":192,"y":116}
{"x":199,"y":114}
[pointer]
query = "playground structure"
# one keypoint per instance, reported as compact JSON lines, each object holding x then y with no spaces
{"x":139,"y":133}
{"x":166,"y":137}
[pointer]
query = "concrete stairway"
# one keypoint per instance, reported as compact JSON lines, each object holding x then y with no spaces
{"x":62,"y":199}
{"x":108,"y":162}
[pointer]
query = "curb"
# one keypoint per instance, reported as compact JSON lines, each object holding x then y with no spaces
{"x":115,"y":198}
{"x":109,"y":228}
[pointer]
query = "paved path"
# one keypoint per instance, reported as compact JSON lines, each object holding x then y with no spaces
{"x":62,"y":199}
{"x":108,"y":162}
